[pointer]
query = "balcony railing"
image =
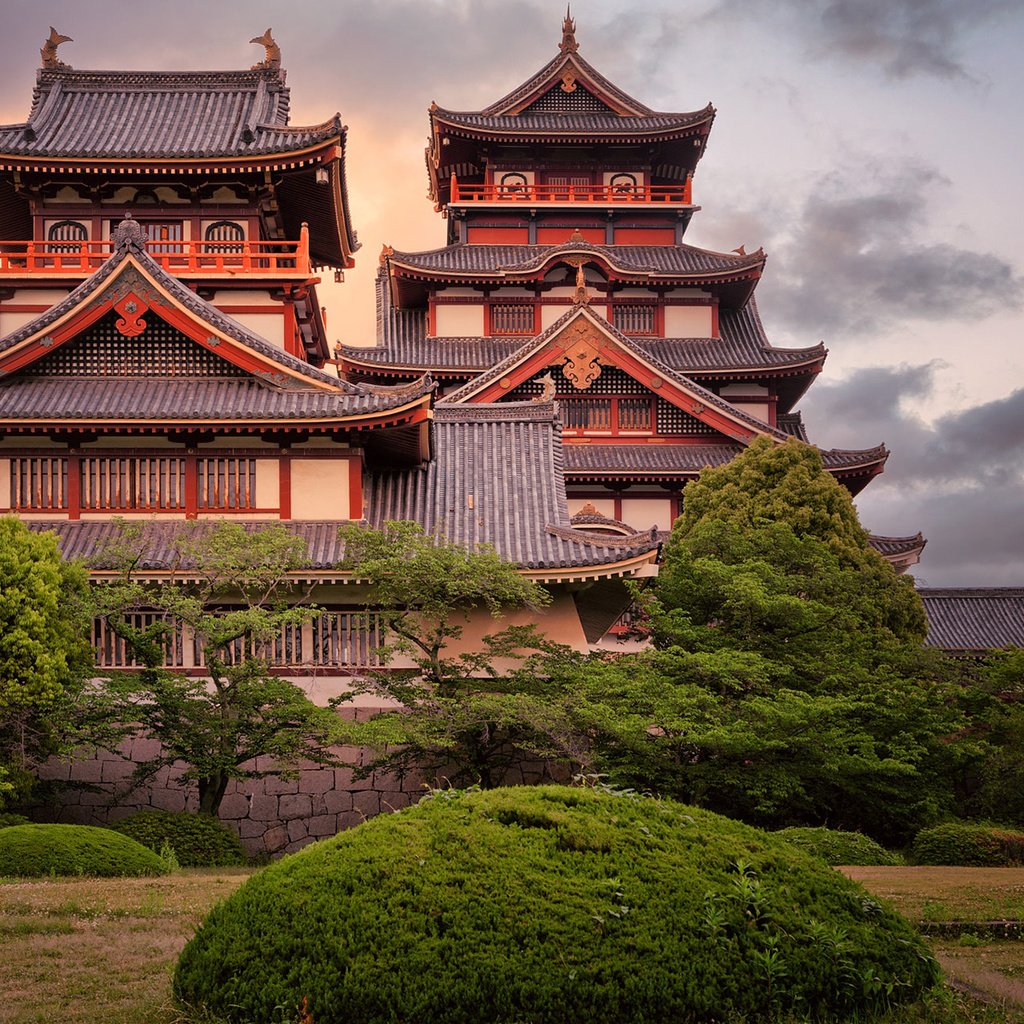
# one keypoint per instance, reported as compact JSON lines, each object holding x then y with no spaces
{"x":602,"y":194}
{"x":181,"y":258}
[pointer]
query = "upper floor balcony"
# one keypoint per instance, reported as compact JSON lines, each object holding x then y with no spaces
{"x":570,"y":194}
{"x":181,"y":257}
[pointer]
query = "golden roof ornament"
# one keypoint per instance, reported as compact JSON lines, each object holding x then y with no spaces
{"x":49,"y":50}
{"x":273,"y":51}
{"x":581,"y":297}
{"x":547,"y":383}
{"x":568,"y":43}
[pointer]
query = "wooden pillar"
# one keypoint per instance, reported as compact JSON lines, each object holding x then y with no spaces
{"x":74,"y":485}
{"x":285,"y":477}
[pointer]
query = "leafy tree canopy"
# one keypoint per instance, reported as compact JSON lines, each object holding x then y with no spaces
{"x":235,"y":594}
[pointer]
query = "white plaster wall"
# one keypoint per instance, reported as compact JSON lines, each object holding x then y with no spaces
{"x":460,"y":321}
{"x":269,"y":325}
{"x":320,"y":488}
{"x":643,"y":513}
{"x":688,"y":322}
{"x":5,"y":484}
{"x":268,"y":483}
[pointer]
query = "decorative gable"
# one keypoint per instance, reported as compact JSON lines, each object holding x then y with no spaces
{"x":568,"y":97}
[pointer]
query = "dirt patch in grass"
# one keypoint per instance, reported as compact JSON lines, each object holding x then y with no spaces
{"x":991,"y":968}
{"x":947,"y":894}
{"x":83,"y":950}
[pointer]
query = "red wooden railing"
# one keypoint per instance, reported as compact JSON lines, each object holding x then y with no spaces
{"x":492,"y":193}
{"x":181,"y":258}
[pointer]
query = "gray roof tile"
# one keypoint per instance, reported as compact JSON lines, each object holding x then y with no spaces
{"x":974,"y":619}
{"x":132,"y":115}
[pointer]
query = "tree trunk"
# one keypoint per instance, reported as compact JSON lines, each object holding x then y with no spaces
{"x":211,"y":791}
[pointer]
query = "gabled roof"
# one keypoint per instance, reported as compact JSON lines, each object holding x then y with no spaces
{"x":267,"y":382}
{"x":580,"y":326}
{"x":403,"y":345}
{"x":974,"y":619}
{"x":497,"y":479}
{"x":161,"y":115}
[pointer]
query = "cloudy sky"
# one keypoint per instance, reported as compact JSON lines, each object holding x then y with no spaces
{"x":873,"y":147}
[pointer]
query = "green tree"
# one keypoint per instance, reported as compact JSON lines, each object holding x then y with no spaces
{"x":44,"y":653}
{"x":789,"y":684}
{"x":466,"y":712}
{"x":769,"y":557}
{"x":235,"y":592}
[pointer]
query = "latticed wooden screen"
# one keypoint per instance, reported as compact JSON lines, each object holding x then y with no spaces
{"x":612,"y":381}
{"x":227,"y":483}
{"x":559,"y":101}
{"x":635,"y":318}
{"x":347,"y":638}
{"x":512,"y":318}
{"x":133,"y":483}
{"x":161,"y":351}
{"x":673,"y":420}
{"x":39,"y":483}
{"x":113,"y":652}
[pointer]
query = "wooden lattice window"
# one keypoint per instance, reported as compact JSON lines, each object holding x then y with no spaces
{"x":611,"y":381}
{"x":575,"y":101}
{"x":282,"y":651}
{"x":133,"y":483}
{"x":39,"y":483}
{"x":347,"y":638}
{"x":226,"y":483}
{"x":613,"y":415}
{"x":114,"y":652}
{"x":224,"y":236}
{"x":635,"y":318}
{"x":511,"y":318}
{"x":66,"y":236}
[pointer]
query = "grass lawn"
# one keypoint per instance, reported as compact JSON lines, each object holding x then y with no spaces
{"x":84,"y":951}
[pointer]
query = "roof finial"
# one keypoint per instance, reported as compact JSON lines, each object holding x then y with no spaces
{"x":581,"y":297}
{"x":273,"y":57}
{"x":568,"y":43}
{"x":128,"y":234}
{"x":49,"y":50}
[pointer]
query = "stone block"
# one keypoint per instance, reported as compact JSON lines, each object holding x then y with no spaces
{"x":366,"y":803}
{"x":337,"y":800}
{"x":322,"y":825}
{"x":55,"y":769}
{"x":145,"y":749}
{"x":298,"y":844}
{"x":167,"y":799}
{"x":248,"y":829}
{"x":297,"y":830}
{"x":318,"y":780}
{"x":275,"y":786}
{"x":264,"y":808}
{"x":120,"y":812}
{"x":117,"y":771}
{"x":94,"y":798}
{"x":234,"y":806}
{"x":87,"y":771}
{"x":294,"y":805}
{"x":275,"y":839}
{"x":349,"y":820}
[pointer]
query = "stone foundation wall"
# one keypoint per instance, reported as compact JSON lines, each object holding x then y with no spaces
{"x":271,"y":815}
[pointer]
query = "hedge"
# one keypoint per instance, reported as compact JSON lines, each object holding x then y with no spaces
{"x":548,"y":905}
{"x":966,"y":844}
{"x":33,"y":850}
{"x":9,"y":818}
{"x":198,"y":840}
{"x":836,"y":847}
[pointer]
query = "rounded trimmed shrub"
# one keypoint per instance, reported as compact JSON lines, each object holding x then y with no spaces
{"x":34,"y":850}
{"x":9,"y":818}
{"x":835,"y":847}
{"x":550,"y":904}
{"x":966,"y":844}
{"x":198,"y":840}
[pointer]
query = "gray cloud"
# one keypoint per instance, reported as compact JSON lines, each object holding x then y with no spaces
{"x":901,"y":38}
{"x":856,"y":259}
{"x":960,"y":479}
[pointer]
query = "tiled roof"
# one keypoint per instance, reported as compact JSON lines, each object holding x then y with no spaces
{"x":974,"y":619}
{"x":897,"y":545}
{"x":644,"y":459}
{"x":173,"y":398}
{"x":403,"y":343}
{"x":87,"y":540}
{"x":22,"y":397}
{"x":497,"y":479}
{"x":463,"y":258}
{"x":133,"y":115}
{"x":598,"y":124}
{"x":629,"y":344}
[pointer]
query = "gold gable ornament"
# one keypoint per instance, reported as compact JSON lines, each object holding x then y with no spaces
{"x":49,"y":51}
